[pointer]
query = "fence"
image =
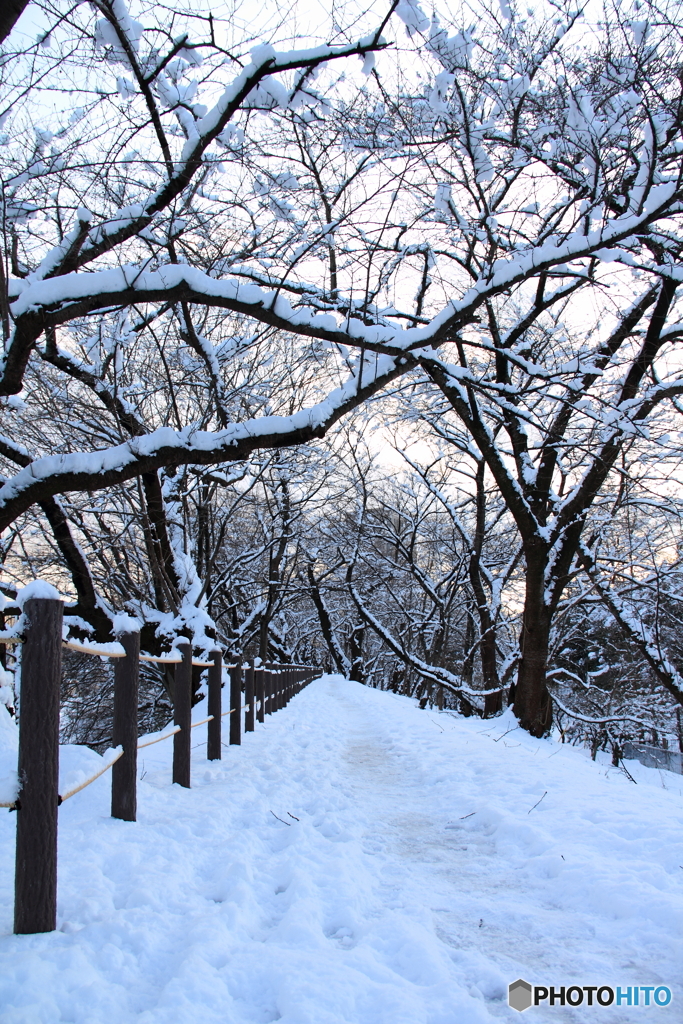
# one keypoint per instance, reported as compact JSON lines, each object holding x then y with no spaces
{"x":267,"y":688}
{"x":655,"y":757}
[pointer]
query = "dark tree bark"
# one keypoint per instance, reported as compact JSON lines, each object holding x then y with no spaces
{"x":213,"y":742}
{"x":125,"y":731}
{"x":249,"y":699}
{"x":87,"y":605}
{"x":235,"y":704}
{"x":10,"y":12}
{"x":356,"y":653}
{"x":530,"y":497}
{"x":333,"y":646}
{"x":493,"y":702}
{"x":259,"y":689}
{"x":532,"y":704}
{"x":35,"y":907}
{"x":182,"y":716}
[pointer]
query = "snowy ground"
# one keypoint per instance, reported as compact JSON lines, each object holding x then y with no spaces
{"x":416,"y":884}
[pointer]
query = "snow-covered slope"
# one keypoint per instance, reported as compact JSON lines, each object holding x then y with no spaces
{"x":417,"y":882}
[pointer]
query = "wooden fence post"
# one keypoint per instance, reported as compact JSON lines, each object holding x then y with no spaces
{"x":35,"y":902}
{"x":259,"y":687}
{"x":182,"y":714}
{"x":275,"y":669}
{"x":236,"y":704}
{"x":249,"y":698}
{"x":274,"y":686}
{"x":125,"y":730}
{"x":213,"y":732}
{"x":267,"y":689}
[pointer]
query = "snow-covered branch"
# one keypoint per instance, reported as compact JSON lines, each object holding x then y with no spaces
{"x":168,"y":448}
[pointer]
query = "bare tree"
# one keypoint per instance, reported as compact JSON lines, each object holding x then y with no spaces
{"x":526,"y":193}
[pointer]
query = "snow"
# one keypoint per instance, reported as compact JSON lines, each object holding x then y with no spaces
{"x":434,"y":860}
{"x":9,"y":746}
{"x":412,"y":16}
{"x":123,"y":623}
{"x":104,"y":286}
{"x":190,"y":439}
{"x":78,"y":764}
{"x":37,"y":589}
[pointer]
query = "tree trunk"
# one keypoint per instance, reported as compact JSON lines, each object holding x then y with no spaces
{"x":356,"y":638}
{"x":336,"y":654}
{"x":493,"y":702}
{"x":532,"y":704}
{"x":11,"y":11}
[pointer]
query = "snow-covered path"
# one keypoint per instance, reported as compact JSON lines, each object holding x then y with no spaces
{"x":415,"y":885}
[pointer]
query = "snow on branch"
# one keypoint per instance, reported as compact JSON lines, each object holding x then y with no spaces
{"x":438,"y":675}
{"x":42,"y":304}
{"x":265,"y":62}
{"x":636,"y":631}
{"x":169,"y":448}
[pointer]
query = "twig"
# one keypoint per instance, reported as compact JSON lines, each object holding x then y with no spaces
{"x":505,"y":733}
{"x":436,"y":723}
{"x":287,"y":823}
{"x":467,"y":815}
{"x":292,"y":816}
{"x":627,"y":772}
{"x":537,"y":803}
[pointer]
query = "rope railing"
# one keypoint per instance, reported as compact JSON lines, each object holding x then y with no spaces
{"x":255,"y":689}
{"x":13,"y":805}
{"x":203,"y":722}
{"x":243,"y":707}
{"x":77,"y":789}
{"x":103,"y":650}
{"x":168,"y":735}
{"x":160,"y":659}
